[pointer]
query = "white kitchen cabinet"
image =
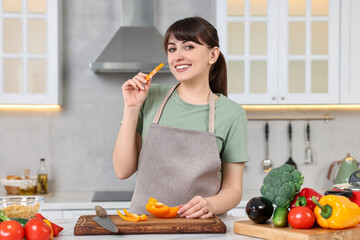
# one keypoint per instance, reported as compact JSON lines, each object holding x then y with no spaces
{"x":281,"y":52}
{"x":30,"y":52}
{"x":350,"y":52}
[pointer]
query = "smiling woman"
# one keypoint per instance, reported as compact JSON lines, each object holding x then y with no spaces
{"x":170,"y":135}
{"x":196,"y":34}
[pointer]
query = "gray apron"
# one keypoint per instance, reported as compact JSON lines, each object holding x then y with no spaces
{"x":177,"y":164}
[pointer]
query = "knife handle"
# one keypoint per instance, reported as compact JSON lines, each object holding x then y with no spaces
{"x":101,"y":212}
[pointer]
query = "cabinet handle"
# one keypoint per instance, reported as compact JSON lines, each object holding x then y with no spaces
{"x":273,"y":98}
{"x":282,"y":98}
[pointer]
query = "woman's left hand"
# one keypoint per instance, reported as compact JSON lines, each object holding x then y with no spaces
{"x":198,"y":207}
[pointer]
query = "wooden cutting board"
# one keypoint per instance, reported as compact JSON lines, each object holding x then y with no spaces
{"x":269,"y":231}
{"x":87,"y":226}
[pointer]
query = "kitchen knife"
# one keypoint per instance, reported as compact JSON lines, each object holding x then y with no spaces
{"x":103,"y":220}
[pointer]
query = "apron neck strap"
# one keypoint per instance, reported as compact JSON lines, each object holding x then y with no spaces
{"x":211,"y":109}
{"x":211,"y":112}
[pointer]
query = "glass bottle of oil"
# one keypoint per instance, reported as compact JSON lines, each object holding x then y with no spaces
{"x":42,"y":182}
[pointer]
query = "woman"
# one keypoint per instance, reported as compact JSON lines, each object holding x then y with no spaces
{"x":175,"y":139}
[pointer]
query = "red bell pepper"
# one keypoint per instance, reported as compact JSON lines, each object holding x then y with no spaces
{"x":56,"y":228}
{"x":304,"y":198}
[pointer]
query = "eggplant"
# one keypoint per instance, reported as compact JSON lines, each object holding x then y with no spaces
{"x":259,"y":209}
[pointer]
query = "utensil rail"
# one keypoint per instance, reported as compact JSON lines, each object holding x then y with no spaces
{"x":326,"y":117}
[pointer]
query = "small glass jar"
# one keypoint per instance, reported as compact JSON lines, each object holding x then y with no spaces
{"x":28,"y":185}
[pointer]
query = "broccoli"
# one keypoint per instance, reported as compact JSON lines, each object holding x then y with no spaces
{"x":281,"y":185}
{"x":3,"y":217}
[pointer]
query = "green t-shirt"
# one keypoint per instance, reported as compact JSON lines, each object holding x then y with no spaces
{"x":230,"y":120}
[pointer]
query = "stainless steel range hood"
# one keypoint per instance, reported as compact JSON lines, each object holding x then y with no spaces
{"x":137,"y":45}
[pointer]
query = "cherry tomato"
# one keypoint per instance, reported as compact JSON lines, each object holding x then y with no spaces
{"x":301,"y":217}
{"x":36,"y":229}
{"x":11,"y":230}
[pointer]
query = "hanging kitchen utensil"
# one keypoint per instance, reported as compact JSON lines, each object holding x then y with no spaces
{"x":290,"y":161}
{"x":308,"y":150}
{"x":267,"y":163}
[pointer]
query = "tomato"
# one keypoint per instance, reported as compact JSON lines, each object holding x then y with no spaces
{"x":301,"y":217}
{"x":36,"y":229}
{"x":11,"y":230}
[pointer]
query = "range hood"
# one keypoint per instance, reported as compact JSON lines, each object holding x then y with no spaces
{"x":137,"y":45}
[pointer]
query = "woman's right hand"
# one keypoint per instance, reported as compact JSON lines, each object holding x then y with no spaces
{"x":135,"y":90}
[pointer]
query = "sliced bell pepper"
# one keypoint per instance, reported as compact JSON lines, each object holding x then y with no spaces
{"x":336,"y":212}
{"x":304,"y":198}
{"x":131,"y":216}
{"x":172,"y":213}
{"x":159,"y":209}
{"x":143,"y":217}
{"x":153,"y":72}
{"x":127,"y":218}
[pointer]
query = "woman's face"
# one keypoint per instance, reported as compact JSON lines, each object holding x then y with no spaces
{"x":189,"y":60}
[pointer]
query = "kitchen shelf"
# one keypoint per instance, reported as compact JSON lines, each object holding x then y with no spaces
{"x":326,"y":117}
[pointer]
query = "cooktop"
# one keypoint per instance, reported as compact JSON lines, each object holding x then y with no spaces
{"x":112,"y":196}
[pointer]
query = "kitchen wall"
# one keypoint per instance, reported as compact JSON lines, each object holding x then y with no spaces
{"x":77,"y":141}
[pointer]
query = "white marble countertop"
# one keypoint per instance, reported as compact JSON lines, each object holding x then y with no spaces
{"x":68,"y":233}
{"x":82,"y":200}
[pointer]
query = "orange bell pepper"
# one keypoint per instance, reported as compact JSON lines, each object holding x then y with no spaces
{"x":159,"y":209}
{"x":172,"y":213}
{"x":131,"y":216}
{"x":153,"y":72}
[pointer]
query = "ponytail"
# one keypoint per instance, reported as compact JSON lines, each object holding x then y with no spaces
{"x":218,"y":76}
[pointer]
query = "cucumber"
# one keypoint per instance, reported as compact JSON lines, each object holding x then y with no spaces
{"x":280,"y":217}
{"x":22,"y":221}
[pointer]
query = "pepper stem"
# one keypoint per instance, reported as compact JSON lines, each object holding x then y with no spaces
{"x":301,"y":201}
{"x":326,"y":210}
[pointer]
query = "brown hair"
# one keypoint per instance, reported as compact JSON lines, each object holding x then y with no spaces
{"x":198,"y":30}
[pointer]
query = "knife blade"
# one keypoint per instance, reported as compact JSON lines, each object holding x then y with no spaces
{"x":103,"y":220}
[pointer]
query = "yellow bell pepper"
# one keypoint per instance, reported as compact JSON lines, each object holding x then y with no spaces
{"x":336,"y":212}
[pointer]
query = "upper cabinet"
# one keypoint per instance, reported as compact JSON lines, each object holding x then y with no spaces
{"x":281,"y":52}
{"x":350,"y":52}
{"x":29,"y":52}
